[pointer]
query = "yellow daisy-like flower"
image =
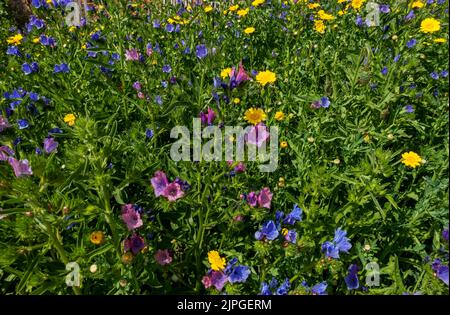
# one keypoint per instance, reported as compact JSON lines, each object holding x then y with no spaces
{"x":255,"y":115}
{"x":357,"y":4}
{"x":319,"y":26}
{"x":313,"y":5}
{"x":257,"y":3}
{"x":236,"y":100}
{"x":279,"y":116}
{"x":70,"y":119}
{"x":430,"y":25}
{"x":417,"y":4}
{"x":440,"y":40}
{"x":411,"y":159}
{"x":243,"y":12}
{"x":283,"y":144}
{"x":325,"y":16}
{"x":284,"y":231}
{"x":342,"y":1}
{"x":341,"y":12}
{"x":208,"y":8}
{"x":36,"y":40}
{"x":249,"y":30}
{"x":233,"y":8}
{"x":265,"y":77}
{"x":217,"y":263}
{"x":15,"y":40}
{"x":225,"y":73}
{"x":97,"y":237}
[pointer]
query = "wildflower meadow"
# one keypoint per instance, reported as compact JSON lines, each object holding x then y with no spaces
{"x":245,"y":147}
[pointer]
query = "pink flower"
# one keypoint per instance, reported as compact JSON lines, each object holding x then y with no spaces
{"x":159,"y":183}
{"x":132,"y":54}
{"x":163,"y":257}
{"x":265,"y":197}
{"x":131,"y":217}
{"x":257,"y":135}
{"x":173,"y":191}
{"x":207,"y":282}
{"x":240,"y":168}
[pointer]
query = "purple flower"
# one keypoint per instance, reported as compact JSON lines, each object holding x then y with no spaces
{"x":384,"y":71}
{"x":291,"y":236}
{"x":359,"y":20}
{"x":294,"y":216}
{"x":163,"y":257}
{"x":170,"y":28}
{"x":218,"y":279}
{"x":240,"y":168}
{"x":13,"y":50}
{"x":201,"y":51}
{"x":131,"y":217}
{"x":340,"y":243}
{"x":6,"y":152}
{"x":440,"y":270}
{"x":159,"y":183}
{"x":284,"y":288}
{"x":444,"y":73}
{"x":445,"y":234}
{"x":325,"y":102}
{"x":208,"y":118}
{"x":351,"y":280}
{"x":384,"y":8}
{"x":20,"y":167}
{"x":4,"y":123}
{"x":252,"y":199}
{"x":135,"y":243}
{"x":149,"y":133}
{"x":173,"y":191}
{"x":166,"y":68}
{"x":137,"y":86}
{"x":397,"y":58}
{"x":409,"y":109}
{"x":50,"y":145}
{"x":236,"y":78}
{"x":268,"y":231}
{"x":158,"y":100}
{"x":410,"y":15}
{"x":411,"y":43}
{"x":265,"y":290}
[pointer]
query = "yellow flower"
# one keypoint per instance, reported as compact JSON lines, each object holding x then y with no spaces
{"x":366,"y":138}
{"x":417,"y":5}
{"x":15,"y":40}
{"x":284,"y":231}
{"x":97,"y":237}
{"x":72,"y":29}
{"x":440,"y":40}
{"x":49,"y":1}
{"x":236,"y":101}
{"x":283,"y":144}
{"x":257,"y":3}
{"x":342,"y":1}
{"x":225,"y":73}
{"x":255,"y":115}
{"x":411,"y":159}
{"x":249,"y":30}
{"x":313,"y":5}
{"x":208,"y":8}
{"x":83,"y":47}
{"x":243,"y":12}
{"x":430,"y":25}
{"x":70,"y":119}
{"x":217,"y":263}
{"x":127,"y":258}
{"x":325,"y":16}
{"x":233,"y":8}
{"x":35,"y":40}
{"x":265,"y":77}
{"x":341,"y":12}
{"x":279,"y":116}
{"x":357,"y":4}
{"x":319,"y":26}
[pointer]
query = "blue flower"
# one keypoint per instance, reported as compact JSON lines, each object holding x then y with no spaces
{"x":149,"y":133}
{"x":291,"y":236}
{"x":62,"y":68}
{"x":26,"y":68}
{"x":384,"y":71}
{"x":239,"y":274}
{"x":410,"y":15}
{"x":13,"y":50}
{"x":284,"y":288}
{"x":268,"y":230}
{"x":384,"y":8}
{"x":444,"y":73}
{"x":339,"y":244}
{"x":411,"y":43}
{"x":434,"y":75}
{"x":351,"y":280}
{"x":319,"y":289}
{"x":170,"y":28}
{"x":409,"y":109}
{"x":294,"y":216}
{"x":166,"y":68}
{"x":325,"y":102}
{"x":265,"y":289}
{"x":158,"y":100}
{"x":201,"y":51}
{"x":23,"y":123}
